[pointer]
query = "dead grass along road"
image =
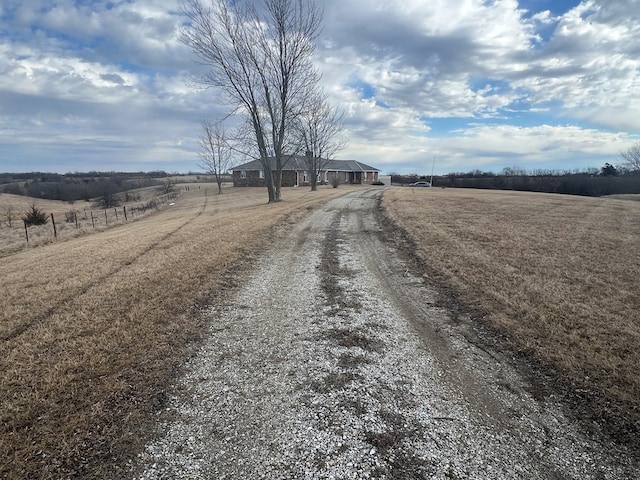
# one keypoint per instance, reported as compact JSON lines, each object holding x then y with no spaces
{"x":556,"y":274}
{"x":102,"y":321}
{"x":94,"y":326}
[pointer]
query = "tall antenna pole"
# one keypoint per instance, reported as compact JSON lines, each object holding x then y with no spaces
{"x":433,"y":164}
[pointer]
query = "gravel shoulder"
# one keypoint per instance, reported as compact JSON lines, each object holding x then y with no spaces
{"x":334,"y":360}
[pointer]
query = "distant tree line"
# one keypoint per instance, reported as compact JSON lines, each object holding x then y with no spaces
{"x":53,"y":177}
{"x":70,"y":187}
{"x":607,"y":180}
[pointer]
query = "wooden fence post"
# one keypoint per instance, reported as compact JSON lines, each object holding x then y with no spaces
{"x":26,"y":231}
{"x":93,"y":223}
{"x":116,"y":212}
{"x":124,"y":209}
{"x":106,"y":220}
{"x":55,"y":231}
{"x":75,"y":216}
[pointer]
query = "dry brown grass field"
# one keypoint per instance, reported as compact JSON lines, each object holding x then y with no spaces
{"x":93,"y":327}
{"x":558,"y":275}
{"x":12,"y":238}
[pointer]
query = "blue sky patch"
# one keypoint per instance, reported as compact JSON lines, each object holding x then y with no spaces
{"x":494,"y":85}
{"x":556,"y":7}
{"x":366,"y":90}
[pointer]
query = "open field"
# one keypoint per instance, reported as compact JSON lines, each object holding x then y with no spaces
{"x":13,"y":239}
{"x":623,"y":196}
{"x":558,"y":275}
{"x":345,"y":365}
{"x":19,"y":204}
{"x":92,"y":328}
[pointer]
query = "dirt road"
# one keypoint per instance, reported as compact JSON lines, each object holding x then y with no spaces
{"x":333,"y":360}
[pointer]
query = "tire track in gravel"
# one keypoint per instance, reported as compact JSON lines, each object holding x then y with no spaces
{"x":333,"y":361}
{"x":73,"y":296}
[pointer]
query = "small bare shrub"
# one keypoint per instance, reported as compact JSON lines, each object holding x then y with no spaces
{"x":70,"y":216}
{"x":169,"y":186}
{"x":8,"y":213}
{"x":150,"y":205}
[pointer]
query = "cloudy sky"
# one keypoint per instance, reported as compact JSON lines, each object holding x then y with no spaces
{"x":459,"y":84}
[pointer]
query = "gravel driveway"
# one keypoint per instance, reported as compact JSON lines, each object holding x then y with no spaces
{"x":334,"y":361}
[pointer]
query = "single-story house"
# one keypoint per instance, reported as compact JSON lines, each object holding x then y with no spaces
{"x":295,"y":173}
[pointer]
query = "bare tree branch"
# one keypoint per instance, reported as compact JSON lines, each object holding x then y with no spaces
{"x":320,"y":131}
{"x":9,"y":215}
{"x":631,"y":158}
{"x":215,"y":151}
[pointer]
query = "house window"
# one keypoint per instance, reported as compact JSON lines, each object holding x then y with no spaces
{"x":261,"y":174}
{"x":305,"y":177}
{"x":243,"y":174}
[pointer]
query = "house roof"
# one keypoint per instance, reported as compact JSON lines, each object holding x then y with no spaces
{"x":299,"y":162}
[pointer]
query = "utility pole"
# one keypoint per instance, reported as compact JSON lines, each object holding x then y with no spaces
{"x":433,"y":164}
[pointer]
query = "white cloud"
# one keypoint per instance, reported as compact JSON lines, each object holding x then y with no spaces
{"x":536,"y":143}
{"x":425,"y":53}
{"x":492,"y":147}
{"x":422,"y":58}
{"x":113,"y":72}
{"x":543,"y":17}
{"x":592,"y":59}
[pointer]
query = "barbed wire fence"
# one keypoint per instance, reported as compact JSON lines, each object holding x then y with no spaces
{"x":77,"y":221}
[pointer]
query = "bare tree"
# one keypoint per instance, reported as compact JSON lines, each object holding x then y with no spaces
{"x":259,"y":57}
{"x":8,"y":213}
{"x":215,"y":151}
{"x":514,"y":171}
{"x":320,"y":130}
{"x":166,"y":187}
{"x":631,"y":157}
{"x":109,"y":195}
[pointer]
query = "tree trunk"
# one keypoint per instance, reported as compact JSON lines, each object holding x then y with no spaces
{"x":278,"y":186}
{"x":268,"y":177}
